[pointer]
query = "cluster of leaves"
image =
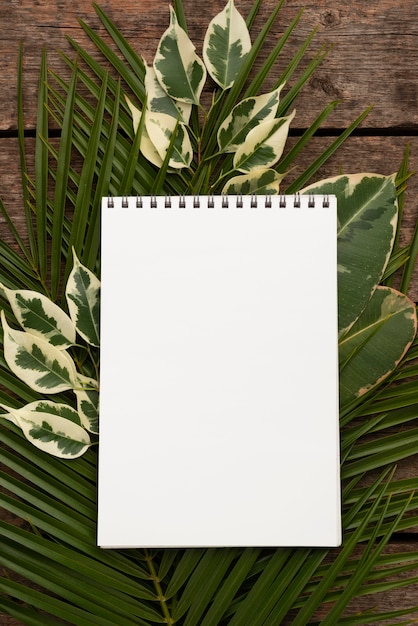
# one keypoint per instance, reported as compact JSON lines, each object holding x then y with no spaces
{"x":39,"y":357}
{"x":252,"y":132}
{"x":78,"y":583}
{"x":189,"y":150}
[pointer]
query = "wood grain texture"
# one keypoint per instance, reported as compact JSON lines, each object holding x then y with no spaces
{"x":374,"y":60}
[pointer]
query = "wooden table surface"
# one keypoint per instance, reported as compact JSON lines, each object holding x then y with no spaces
{"x":374,"y":61}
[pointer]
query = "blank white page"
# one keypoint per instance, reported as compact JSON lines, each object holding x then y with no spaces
{"x":219,"y":389}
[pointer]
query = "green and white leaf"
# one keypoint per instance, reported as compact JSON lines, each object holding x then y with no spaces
{"x":376,"y":343}
{"x":367,"y":219}
{"x":263,"y":145}
{"x":146,"y":147}
{"x":245,"y":116}
{"x":179,"y":70}
{"x":54,"y":408}
{"x":41,"y":317}
{"x":53,"y":428}
{"x":36,"y":362}
{"x":160,"y":102}
{"x":226,"y":45}
{"x":160,"y":128}
{"x":135,"y":112}
{"x":88,"y":408}
{"x":87,"y":394}
{"x":257,"y":182}
{"x":83,"y":298}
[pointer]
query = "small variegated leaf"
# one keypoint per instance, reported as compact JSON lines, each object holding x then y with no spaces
{"x":245,"y":116}
{"x":158,"y":100}
{"x":160,"y":128}
{"x":258,"y":182}
{"x":146,"y":147}
{"x":51,"y":429}
{"x":226,"y":45}
{"x":86,"y":382}
{"x":88,"y":408}
{"x":264,"y":145}
{"x":41,"y":317}
{"x":376,"y":343}
{"x":87,"y":394}
{"x":83,"y":298}
{"x":40,"y":365}
{"x":179,"y":70}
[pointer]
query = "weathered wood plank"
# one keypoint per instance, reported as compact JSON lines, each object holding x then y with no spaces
{"x":374,"y":61}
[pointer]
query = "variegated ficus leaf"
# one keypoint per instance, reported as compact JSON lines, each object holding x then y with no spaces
{"x":263,"y":145}
{"x":178,"y":68}
{"x":83,"y":293}
{"x":160,"y":128}
{"x":135,"y":112}
{"x":87,"y":394}
{"x":226,"y":45}
{"x":376,"y":343}
{"x":41,"y":317}
{"x":257,"y":182}
{"x":146,"y":146}
{"x":88,"y":408}
{"x":245,"y":116}
{"x":40,"y":365}
{"x":53,"y":428}
{"x":367,"y":218}
{"x":159,"y":101}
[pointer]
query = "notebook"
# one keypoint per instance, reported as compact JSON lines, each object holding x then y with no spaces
{"x":219,"y":380}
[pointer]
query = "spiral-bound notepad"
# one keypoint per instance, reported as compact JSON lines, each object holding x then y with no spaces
{"x":219,"y":390}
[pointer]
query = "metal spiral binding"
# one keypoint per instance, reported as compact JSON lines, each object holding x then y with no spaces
{"x":226,"y":201}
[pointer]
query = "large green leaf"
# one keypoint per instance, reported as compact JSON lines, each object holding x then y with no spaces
{"x":244,"y":117}
{"x":375,"y":344}
{"x":178,"y":68}
{"x":226,"y":45}
{"x":367,"y":220}
{"x":263,"y":145}
{"x":40,"y":365}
